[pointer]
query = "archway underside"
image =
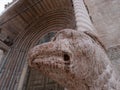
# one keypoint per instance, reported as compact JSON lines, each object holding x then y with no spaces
{"x":12,"y":67}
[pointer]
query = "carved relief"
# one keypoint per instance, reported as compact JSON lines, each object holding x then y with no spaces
{"x":76,"y":60}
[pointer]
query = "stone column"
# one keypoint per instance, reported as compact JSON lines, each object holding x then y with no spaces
{"x":1,"y":55}
{"x":83,"y":22}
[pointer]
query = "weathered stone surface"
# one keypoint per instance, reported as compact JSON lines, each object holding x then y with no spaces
{"x":106,"y":18}
{"x":114,"y":55}
{"x":114,"y":52}
{"x":76,"y":60}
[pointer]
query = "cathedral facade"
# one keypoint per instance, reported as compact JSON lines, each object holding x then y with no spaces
{"x":26,"y":23}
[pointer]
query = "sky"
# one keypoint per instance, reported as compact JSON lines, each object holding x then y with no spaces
{"x":2,"y":3}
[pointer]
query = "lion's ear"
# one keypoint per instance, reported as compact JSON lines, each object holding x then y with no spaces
{"x":95,"y":37}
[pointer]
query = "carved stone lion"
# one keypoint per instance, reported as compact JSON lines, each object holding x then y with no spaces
{"x":76,"y":60}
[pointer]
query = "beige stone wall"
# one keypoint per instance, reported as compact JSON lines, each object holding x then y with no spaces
{"x":106,"y":18}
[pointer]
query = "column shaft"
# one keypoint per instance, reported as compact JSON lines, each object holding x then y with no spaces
{"x":83,"y":21}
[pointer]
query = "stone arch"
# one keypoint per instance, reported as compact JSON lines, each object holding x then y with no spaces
{"x":53,"y":26}
{"x":15,"y":62}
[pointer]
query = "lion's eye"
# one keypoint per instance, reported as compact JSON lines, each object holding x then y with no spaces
{"x":66,"y":57}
